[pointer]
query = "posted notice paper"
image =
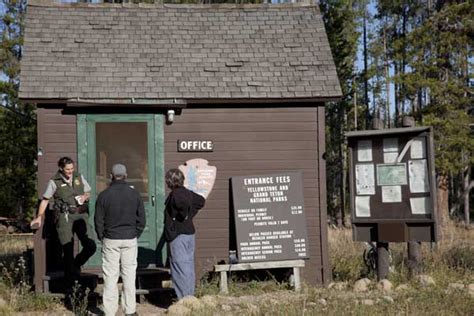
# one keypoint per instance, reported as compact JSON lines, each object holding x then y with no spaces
{"x":418,"y":148}
{"x":365,"y":179}
{"x":418,"y":175}
{"x":392,"y":194}
{"x":390,"y":145}
{"x":362,"y":204}
{"x":364,"y":150}
{"x":421,"y":205}
{"x":390,"y":150}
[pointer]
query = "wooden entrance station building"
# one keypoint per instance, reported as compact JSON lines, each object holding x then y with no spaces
{"x":153,"y":86}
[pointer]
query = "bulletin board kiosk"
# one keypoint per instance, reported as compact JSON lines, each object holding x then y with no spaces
{"x":392,"y":185}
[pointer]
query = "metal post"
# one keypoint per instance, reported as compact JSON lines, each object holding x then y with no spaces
{"x":383,"y":260}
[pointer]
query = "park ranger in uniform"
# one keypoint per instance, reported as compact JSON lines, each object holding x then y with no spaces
{"x":69,"y":193}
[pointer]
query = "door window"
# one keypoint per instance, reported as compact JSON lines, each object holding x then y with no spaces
{"x":125,"y":143}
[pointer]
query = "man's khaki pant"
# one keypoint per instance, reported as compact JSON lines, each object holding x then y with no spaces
{"x":119,"y":257}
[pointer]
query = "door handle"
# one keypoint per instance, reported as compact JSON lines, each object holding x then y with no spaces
{"x":152,"y":200}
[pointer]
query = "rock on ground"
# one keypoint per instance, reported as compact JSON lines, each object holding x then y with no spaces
{"x":3,"y":229}
{"x":190,"y":302}
{"x":209,"y":300}
{"x":226,"y":308}
{"x":402,"y":287}
{"x":368,"y":302}
{"x":178,"y":310}
{"x":339,"y":286}
{"x":425,"y":280}
{"x":384,"y":286}
{"x":185,"y":306}
{"x":470,"y":289}
{"x":252,"y":309}
{"x":388,"y":299}
{"x":322,"y":301}
{"x":456,"y":286}
{"x":362,"y":285}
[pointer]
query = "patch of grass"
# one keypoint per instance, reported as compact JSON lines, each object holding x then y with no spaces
{"x":350,"y":268}
{"x":346,"y":256}
{"x":450,"y":260}
{"x":15,"y":289}
{"x":239,"y":287}
{"x":208,"y":285}
{"x":242,"y":283}
{"x":16,"y":244}
{"x":460,"y":257}
{"x":415,"y":301}
{"x":31,"y":301}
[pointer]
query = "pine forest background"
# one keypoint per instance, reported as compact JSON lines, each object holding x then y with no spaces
{"x":394,"y":59}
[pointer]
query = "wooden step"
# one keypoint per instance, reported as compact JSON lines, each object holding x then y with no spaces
{"x":54,"y":275}
{"x":149,"y":280}
{"x":154,"y":290}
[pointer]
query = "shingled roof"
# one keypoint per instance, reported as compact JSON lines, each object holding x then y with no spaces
{"x":189,"y":52}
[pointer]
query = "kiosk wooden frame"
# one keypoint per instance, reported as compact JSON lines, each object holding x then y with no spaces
{"x":394,"y":221}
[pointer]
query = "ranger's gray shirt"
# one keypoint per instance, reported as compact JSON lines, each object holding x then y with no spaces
{"x":51,"y":188}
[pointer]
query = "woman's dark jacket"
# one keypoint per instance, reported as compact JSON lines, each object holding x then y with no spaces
{"x":181,"y":206}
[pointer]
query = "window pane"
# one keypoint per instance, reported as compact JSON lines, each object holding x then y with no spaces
{"x":124,"y":143}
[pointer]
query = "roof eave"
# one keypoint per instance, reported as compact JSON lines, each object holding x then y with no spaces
{"x":176,"y":102}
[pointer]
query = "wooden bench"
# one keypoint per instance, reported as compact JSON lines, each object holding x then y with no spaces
{"x":224,"y":268}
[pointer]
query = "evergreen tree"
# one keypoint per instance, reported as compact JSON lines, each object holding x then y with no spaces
{"x":340,"y":21}
{"x":439,"y":55}
{"x":17,"y":121}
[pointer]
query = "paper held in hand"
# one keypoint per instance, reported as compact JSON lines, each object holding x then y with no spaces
{"x":79,"y":200}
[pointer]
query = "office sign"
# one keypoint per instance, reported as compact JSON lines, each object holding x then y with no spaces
{"x":195,"y":145}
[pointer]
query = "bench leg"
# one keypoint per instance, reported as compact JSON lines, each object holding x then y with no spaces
{"x":296,"y":274}
{"x":223,"y":283}
{"x":45,"y":286}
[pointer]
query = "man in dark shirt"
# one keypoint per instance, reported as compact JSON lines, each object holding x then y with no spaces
{"x":119,"y":221}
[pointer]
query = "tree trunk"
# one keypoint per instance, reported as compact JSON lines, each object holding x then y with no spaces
{"x":466,"y":190}
{"x":366,"y":66}
{"x":387,"y":82}
{"x":443,"y":201}
{"x":344,"y":173}
{"x":396,"y":96}
{"x":403,"y":68}
{"x":342,"y":159}
{"x":355,"y":110}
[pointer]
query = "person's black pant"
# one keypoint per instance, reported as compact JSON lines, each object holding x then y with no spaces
{"x":72,"y":265}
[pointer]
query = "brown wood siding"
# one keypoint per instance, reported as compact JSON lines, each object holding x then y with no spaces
{"x":57,"y":137}
{"x":246,"y":142}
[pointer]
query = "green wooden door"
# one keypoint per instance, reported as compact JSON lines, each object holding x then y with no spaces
{"x":135,"y":140}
